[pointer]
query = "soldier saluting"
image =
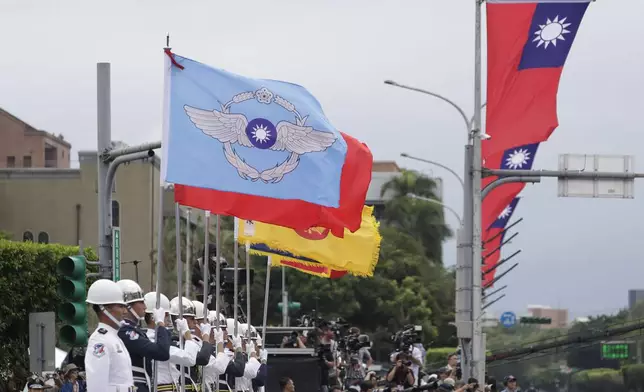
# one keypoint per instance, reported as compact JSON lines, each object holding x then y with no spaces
{"x":142,"y":350}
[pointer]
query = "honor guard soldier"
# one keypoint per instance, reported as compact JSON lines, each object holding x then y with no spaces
{"x":108,"y":367}
{"x":142,"y":350}
{"x":200,"y":335}
{"x":167,"y":372}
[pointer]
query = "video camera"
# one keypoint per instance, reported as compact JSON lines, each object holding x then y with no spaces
{"x":406,"y":337}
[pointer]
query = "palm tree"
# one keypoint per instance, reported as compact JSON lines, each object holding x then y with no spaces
{"x":424,"y":221}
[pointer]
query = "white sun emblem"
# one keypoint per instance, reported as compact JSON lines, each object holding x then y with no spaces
{"x":261,"y":133}
{"x":506,"y":212}
{"x":551,"y":32}
{"x":517,"y":159}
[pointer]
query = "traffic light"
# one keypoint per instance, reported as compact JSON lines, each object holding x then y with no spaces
{"x":535,"y":320}
{"x":615,"y":350}
{"x":292,"y":306}
{"x":73,"y":311}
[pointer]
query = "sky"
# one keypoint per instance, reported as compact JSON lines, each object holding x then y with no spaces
{"x":580,"y":254}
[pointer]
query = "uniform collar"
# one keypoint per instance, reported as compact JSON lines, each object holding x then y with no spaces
{"x":107,"y":327}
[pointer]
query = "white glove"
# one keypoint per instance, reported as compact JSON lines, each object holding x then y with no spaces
{"x":159,"y":315}
{"x":263,"y":355}
{"x":182,"y":326}
{"x":237,"y":342}
{"x":219,"y":336}
{"x":259,"y":342}
{"x":250,"y":347}
{"x":205,"y":329}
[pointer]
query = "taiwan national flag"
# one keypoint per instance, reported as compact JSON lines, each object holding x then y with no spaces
{"x":516,"y":158}
{"x":493,"y":238}
{"x":527,"y":46}
{"x":266,"y":146}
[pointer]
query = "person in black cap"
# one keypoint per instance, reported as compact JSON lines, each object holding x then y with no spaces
{"x":510,"y":384}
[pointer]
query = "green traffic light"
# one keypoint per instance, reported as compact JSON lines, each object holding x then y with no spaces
{"x":72,"y":289}
{"x":72,"y":313}
{"x":73,"y":335}
{"x":72,"y":267}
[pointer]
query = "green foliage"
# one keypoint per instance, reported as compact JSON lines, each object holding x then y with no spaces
{"x":633,"y":377}
{"x":437,"y":357}
{"x":5,"y":235}
{"x":28,"y":283}
{"x":598,"y":380}
{"x":421,"y":219}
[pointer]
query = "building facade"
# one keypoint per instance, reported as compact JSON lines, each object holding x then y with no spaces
{"x":24,"y":146}
{"x":559,"y":317}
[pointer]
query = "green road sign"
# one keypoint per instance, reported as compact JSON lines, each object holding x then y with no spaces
{"x":291,"y":306}
{"x":116,"y":253}
{"x":535,"y":320}
{"x":72,"y":310}
{"x":615,"y":350}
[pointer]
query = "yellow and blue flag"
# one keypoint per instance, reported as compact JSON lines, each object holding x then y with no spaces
{"x":356,"y":253}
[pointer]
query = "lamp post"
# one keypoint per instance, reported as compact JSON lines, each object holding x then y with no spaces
{"x":468,"y":292}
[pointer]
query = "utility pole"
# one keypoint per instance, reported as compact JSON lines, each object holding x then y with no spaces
{"x":478,"y":345}
{"x":104,"y":127}
{"x":108,"y":160}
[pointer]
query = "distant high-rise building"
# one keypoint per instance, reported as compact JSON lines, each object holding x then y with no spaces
{"x":559,"y":317}
{"x":634,"y":296}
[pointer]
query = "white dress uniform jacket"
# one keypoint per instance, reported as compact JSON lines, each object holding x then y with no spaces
{"x":215,"y":368}
{"x":108,"y":367}
{"x":167,"y":372}
{"x":250,"y":371}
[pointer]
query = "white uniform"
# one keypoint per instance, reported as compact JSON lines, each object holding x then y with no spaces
{"x":216,"y":367}
{"x":167,"y":372}
{"x":250,"y":371}
{"x":108,"y":367}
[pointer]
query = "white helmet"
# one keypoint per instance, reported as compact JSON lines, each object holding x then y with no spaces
{"x":104,"y":292}
{"x":198,"y":309}
{"x":131,"y":291}
{"x":151,"y":302}
{"x":188,"y":307}
{"x":212,"y":319}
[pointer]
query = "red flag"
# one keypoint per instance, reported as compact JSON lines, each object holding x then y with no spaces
{"x":295,"y":214}
{"x":493,"y":239}
{"x":527,"y":46}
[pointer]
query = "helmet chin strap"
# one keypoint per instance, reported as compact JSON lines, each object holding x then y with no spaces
{"x":109,"y":315}
{"x":133,"y":313}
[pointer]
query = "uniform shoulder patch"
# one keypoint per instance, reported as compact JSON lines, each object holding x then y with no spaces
{"x":102,"y":331}
{"x":132,"y":334}
{"x":99,"y":350}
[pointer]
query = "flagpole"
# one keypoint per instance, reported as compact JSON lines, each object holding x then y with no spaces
{"x":267,"y":290}
{"x":478,"y":357}
{"x":206,"y":276}
{"x":188,"y":252}
{"x":177,"y":236}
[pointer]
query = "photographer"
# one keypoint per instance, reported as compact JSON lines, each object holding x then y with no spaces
{"x":292,"y":341}
{"x":326,"y":350}
{"x":401,"y":374}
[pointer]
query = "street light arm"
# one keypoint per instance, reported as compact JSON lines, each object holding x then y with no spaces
{"x":442,"y":98}
{"x":460,"y":179}
{"x":453,"y":211}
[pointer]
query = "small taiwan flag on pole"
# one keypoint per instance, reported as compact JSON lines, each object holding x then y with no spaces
{"x":528,"y":43}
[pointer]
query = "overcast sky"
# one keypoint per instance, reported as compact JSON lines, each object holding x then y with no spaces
{"x":577,"y":253}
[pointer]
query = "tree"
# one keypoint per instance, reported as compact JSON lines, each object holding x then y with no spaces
{"x":28,"y":283}
{"x":423,"y":220}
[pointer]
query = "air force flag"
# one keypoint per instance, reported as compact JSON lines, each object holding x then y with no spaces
{"x":251,"y":136}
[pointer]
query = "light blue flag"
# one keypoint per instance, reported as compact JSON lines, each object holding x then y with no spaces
{"x":252,"y":136}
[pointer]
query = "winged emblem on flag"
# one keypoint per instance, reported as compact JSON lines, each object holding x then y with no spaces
{"x":297,"y":138}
